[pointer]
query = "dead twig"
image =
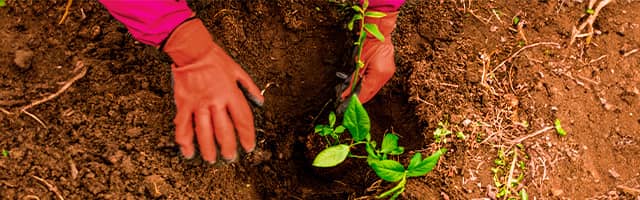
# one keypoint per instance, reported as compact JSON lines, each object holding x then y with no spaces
{"x":29,"y":197}
{"x":520,"y":51}
{"x":520,"y":139}
{"x":66,"y":11}
{"x":629,"y":190}
{"x":64,"y":88}
{"x":629,"y":53}
{"x":36,"y":118}
{"x":52,"y":188}
{"x":513,"y":166}
{"x":577,"y":32}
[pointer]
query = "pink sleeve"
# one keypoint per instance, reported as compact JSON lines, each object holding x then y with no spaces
{"x":384,"y":5}
{"x":150,"y":22}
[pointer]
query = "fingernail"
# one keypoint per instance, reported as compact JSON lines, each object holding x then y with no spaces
{"x":211,"y":162}
{"x":232,"y":159}
{"x":185,"y":155}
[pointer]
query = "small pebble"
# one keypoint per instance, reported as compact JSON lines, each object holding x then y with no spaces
{"x":23,"y":58}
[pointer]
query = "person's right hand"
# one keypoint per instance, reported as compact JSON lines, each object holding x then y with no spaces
{"x":207,"y":91}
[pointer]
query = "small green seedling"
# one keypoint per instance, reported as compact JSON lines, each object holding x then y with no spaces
{"x":590,"y":11}
{"x":5,"y":153}
{"x":356,"y":121}
{"x":559,"y":128}
{"x":461,"y":135}
{"x":516,"y":20}
{"x":2,"y":3}
{"x":441,"y":133}
{"x":329,"y":130}
{"x":507,"y":166}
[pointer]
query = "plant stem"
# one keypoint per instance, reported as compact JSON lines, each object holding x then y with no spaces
{"x":357,"y":143}
{"x":357,"y":156}
{"x":356,"y":73}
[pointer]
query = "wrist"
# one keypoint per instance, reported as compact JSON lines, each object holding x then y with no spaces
{"x":188,"y":43}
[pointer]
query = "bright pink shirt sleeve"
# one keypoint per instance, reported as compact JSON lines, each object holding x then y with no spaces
{"x":149,"y":21}
{"x":384,"y":5}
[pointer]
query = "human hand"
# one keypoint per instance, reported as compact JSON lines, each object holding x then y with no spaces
{"x":379,"y":63}
{"x":208,"y":90}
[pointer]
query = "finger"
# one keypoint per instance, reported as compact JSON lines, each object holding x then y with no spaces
{"x":225,"y":135}
{"x":375,"y":77}
{"x":204,"y":131}
{"x":242,"y":118}
{"x":184,"y":133}
{"x":250,"y":88}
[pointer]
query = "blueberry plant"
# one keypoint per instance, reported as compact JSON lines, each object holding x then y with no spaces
{"x":356,"y":121}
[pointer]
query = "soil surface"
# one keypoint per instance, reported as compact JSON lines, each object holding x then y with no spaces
{"x":496,"y":82}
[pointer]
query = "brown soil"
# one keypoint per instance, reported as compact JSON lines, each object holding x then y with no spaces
{"x":110,"y":135}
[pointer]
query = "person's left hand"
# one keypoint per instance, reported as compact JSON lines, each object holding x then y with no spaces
{"x":379,"y":62}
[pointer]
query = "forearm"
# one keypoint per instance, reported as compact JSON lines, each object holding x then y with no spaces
{"x":150,"y":22}
{"x":385,"y":5}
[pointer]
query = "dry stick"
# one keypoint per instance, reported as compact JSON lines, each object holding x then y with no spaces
{"x":52,"y":188}
{"x":513,"y":165}
{"x":64,"y":88}
{"x":629,"y":190}
{"x":629,"y":53}
{"x":66,"y":12}
{"x":6,"y":112}
{"x":36,"y":118}
{"x":590,"y":20}
{"x":545,"y":129}
{"x":520,"y":51}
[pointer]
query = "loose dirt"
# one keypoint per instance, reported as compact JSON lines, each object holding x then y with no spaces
{"x":110,"y":135}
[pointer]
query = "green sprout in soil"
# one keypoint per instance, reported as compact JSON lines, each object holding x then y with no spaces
{"x":356,"y":121}
{"x":2,"y":3}
{"x":590,"y":11}
{"x":559,"y":128}
{"x":5,"y":153}
{"x":507,"y":166}
{"x":441,"y":133}
{"x":329,"y":130}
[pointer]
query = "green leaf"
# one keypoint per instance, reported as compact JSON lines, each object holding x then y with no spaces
{"x":590,"y":11}
{"x":357,"y":8}
{"x":340,"y":129}
{"x":331,"y":156}
{"x":323,"y":130}
{"x":2,"y":3}
{"x":516,"y":20}
{"x":388,"y":170}
{"x":397,"y":151}
{"x":426,"y":165}
{"x":559,"y":128}
{"x":355,"y":18}
{"x":5,"y":153}
{"x":365,"y":4}
{"x":356,"y":120}
{"x":415,"y":161}
{"x":332,"y":119}
{"x":523,"y":194}
{"x":389,"y":143}
{"x":371,"y":150}
{"x":374,"y":14}
{"x":373,"y":29}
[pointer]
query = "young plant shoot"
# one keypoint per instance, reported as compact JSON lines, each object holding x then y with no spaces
{"x":357,"y":122}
